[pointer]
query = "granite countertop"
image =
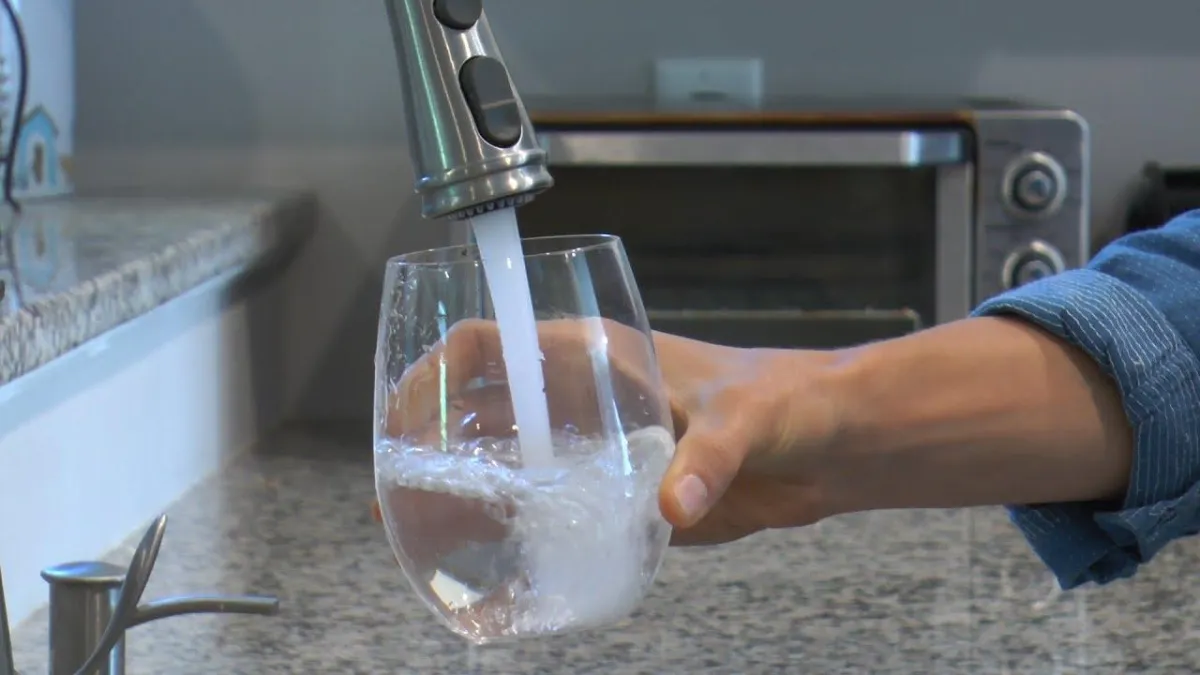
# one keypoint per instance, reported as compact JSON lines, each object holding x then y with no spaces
{"x":74,"y":268}
{"x":920,"y":593}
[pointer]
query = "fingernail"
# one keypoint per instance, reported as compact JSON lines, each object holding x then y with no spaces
{"x":692,"y":495}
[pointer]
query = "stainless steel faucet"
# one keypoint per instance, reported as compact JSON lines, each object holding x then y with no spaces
{"x":472,"y":144}
{"x":92,"y":604}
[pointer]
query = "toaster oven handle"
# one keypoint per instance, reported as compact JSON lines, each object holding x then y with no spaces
{"x":899,"y":148}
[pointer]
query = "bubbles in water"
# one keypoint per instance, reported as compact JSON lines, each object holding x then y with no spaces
{"x":502,"y":550}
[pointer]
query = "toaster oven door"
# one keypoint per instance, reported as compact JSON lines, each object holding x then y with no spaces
{"x":775,"y":238}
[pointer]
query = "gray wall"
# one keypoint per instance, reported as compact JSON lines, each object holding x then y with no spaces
{"x":223,"y":93}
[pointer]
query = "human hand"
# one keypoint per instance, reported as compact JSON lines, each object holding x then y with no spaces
{"x":755,"y":429}
{"x":753,"y":426}
{"x":457,"y":393}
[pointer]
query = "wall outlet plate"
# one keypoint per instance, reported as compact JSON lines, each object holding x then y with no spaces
{"x":736,"y":81}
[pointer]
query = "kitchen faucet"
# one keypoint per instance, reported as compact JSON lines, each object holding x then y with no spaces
{"x":473,"y":146}
{"x":474,"y":151}
{"x":92,"y":604}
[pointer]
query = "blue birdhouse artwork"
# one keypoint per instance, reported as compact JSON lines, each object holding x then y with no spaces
{"x":39,"y":166}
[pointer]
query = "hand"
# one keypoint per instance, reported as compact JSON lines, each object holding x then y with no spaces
{"x":754,"y":426}
{"x":755,"y":430}
{"x":459,"y":389}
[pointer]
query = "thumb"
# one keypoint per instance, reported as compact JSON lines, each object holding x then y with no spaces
{"x":706,"y":460}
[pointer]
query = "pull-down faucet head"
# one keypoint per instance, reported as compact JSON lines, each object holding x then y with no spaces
{"x":472,"y":144}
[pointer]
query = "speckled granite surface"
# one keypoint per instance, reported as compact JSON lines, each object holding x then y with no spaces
{"x":73,"y":269}
{"x":923,"y":593}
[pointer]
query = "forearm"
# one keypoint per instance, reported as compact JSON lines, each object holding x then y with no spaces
{"x":981,"y":411}
{"x":990,"y":410}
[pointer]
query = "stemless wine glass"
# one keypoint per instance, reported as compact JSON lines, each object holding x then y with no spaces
{"x":499,"y":545}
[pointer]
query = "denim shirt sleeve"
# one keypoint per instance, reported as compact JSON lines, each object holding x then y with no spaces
{"x":1136,"y":310}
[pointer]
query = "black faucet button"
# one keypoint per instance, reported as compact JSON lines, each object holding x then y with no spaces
{"x":492,"y":101}
{"x":458,"y":14}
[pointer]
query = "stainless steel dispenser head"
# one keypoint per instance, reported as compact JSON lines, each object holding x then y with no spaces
{"x":471,"y":140}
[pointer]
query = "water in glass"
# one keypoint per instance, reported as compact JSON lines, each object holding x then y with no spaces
{"x":500,"y":537}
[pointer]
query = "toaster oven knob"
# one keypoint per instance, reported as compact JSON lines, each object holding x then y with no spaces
{"x":1035,"y":189}
{"x":1034,"y":185}
{"x":1036,"y":261}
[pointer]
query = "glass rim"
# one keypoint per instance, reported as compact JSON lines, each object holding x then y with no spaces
{"x":428,"y":257}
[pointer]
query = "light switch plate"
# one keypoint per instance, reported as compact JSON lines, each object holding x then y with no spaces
{"x":709,"y":80}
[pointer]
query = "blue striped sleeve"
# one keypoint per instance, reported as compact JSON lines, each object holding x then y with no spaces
{"x":1136,"y":310}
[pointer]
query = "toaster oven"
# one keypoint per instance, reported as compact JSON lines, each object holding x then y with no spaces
{"x":819,"y":223}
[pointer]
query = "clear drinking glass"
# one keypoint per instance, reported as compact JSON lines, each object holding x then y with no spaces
{"x":497,"y":548}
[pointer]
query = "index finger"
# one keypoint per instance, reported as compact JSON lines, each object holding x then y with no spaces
{"x":469,"y":350}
